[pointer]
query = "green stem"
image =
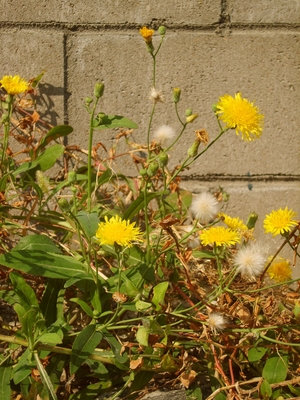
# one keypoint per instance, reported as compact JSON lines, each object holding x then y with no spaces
{"x":90,"y":145}
{"x":9,"y":103}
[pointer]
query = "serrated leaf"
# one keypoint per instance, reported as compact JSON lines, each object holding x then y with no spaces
{"x":49,"y":265}
{"x":159,"y":292}
{"x":275,"y":369}
{"x":114,"y":121}
{"x":84,"y":344}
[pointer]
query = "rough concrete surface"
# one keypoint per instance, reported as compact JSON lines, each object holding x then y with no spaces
{"x":211,"y":48}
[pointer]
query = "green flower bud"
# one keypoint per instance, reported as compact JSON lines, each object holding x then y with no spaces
{"x":176,"y":95}
{"x":215,"y":108}
{"x":72,"y":176}
{"x":152,"y":168}
{"x":88,"y":101}
{"x":150,"y":47}
{"x":188,"y":112}
{"x":251,"y":221}
{"x":64,"y":205}
{"x":5,"y":119}
{"x":143,"y":172}
{"x":163,"y":159}
{"x":162,"y":30}
{"x":98,"y":90}
{"x":193,"y":150}
{"x":191,"y":118}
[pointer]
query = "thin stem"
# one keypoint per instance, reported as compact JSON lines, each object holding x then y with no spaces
{"x":90,"y":145}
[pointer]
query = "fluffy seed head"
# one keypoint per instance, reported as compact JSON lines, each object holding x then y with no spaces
{"x":204,"y":207}
{"x":250,"y":261}
{"x":164,"y":133}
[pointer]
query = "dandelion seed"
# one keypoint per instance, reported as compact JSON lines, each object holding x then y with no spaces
{"x":217,"y":322}
{"x":117,"y":231}
{"x":14,"y":84}
{"x":219,"y":236}
{"x":157,"y":96}
{"x":204,"y":207}
{"x":164,"y":134}
{"x":280,"y":221}
{"x":250,"y":261}
{"x":241,"y":115}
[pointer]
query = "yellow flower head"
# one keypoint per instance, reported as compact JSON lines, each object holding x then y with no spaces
{"x":147,"y":34}
{"x":280,"y":270}
{"x":14,"y":84}
{"x":240,"y":114}
{"x":219,"y":236}
{"x":280,"y":221}
{"x":116,"y":230}
{"x":236,"y":224}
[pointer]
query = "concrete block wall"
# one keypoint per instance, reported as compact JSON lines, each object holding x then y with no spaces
{"x":212,"y":47}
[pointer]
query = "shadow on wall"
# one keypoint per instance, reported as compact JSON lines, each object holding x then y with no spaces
{"x":49,"y":97}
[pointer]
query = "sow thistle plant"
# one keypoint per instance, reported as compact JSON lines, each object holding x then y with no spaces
{"x":117,"y":285}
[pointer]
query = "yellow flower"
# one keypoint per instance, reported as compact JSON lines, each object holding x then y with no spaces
{"x":280,"y":270}
{"x":117,"y":231}
{"x":236,"y":224}
{"x":280,"y":221}
{"x":220,"y":236}
{"x":147,"y":34}
{"x":240,"y":114}
{"x":14,"y":84}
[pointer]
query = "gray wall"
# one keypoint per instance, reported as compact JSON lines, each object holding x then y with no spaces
{"x":211,"y":48}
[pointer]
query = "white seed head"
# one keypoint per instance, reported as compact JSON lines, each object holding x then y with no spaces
{"x":164,"y":133}
{"x":157,"y":96}
{"x":204,"y":207}
{"x":250,"y":260}
{"x":216,"y":321}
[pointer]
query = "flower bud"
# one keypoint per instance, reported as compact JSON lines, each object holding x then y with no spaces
{"x":5,"y":119}
{"x":163,"y":159}
{"x":88,"y":101}
{"x":252,"y":218}
{"x":188,"y":112}
{"x":215,"y":108}
{"x":150,"y":47}
{"x":98,"y":90}
{"x":162,"y":30}
{"x":143,"y":172}
{"x":64,"y":205}
{"x":72,"y":176}
{"x":193,"y":150}
{"x":176,"y":95}
{"x":152,"y":168}
{"x":191,"y":118}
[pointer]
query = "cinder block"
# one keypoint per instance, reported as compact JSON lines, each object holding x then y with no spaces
{"x":27,"y":53}
{"x":188,"y":12}
{"x":263,"y":198}
{"x":265,"y":11}
{"x":261,"y":65}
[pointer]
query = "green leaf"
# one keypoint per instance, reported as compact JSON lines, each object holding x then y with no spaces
{"x":25,"y":167}
{"x":91,"y":391}
{"x":49,"y":265}
{"x":115,"y":347}
{"x":35,"y":243}
{"x":48,"y":304}
{"x":194,"y":392}
{"x":113,"y":121}
{"x":141,"y":379}
{"x":5,"y":375}
{"x":275,"y":369}
{"x":24,"y":292}
{"x":84,"y":344}
{"x":49,"y":157}
{"x":23,"y":368}
{"x":89,"y":222}
{"x":53,"y":134}
{"x":142,"y":306}
{"x":86,"y":308}
{"x":142,"y":336}
{"x":49,"y":338}
{"x":159,"y":292}
{"x":45,"y":377}
{"x":256,"y":353}
{"x":265,"y":390}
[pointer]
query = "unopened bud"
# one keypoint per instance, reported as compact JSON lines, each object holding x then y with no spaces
{"x":5,"y":119}
{"x":163,"y":159}
{"x":176,"y":95}
{"x":152,"y":168}
{"x":188,"y":112}
{"x":64,"y":205}
{"x":193,"y":150}
{"x":98,"y":90}
{"x":72,"y":176}
{"x":252,"y":218}
{"x":215,"y":108}
{"x":143,"y":172}
{"x":88,"y":100}
{"x":191,"y":118}
{"x":162,"y":30}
